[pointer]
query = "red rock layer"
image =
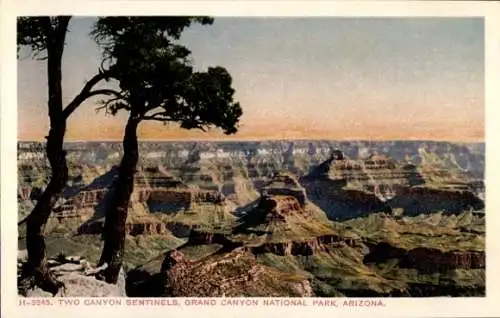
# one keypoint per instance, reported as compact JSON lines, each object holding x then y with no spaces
{"x":279,"y":207}
{"x":179,"y":196}
{"x":87,"y":199}
{"x":306,"y":247}
{"x":433,"y":260}
{"x":426,"y":259}
{"x":139,"y":228}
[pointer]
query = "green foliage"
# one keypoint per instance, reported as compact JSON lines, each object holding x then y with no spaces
{"x":156,"y":76}
{"x":437,"y":230}
{"x":30,"y":32}
{"x":40,"y":33}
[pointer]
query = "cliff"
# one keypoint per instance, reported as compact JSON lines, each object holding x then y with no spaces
{"x":285,"y":184}
{"x":433,"y":260}
{"x":157,"y":204}
{"x":367,"y":173}
{"x":339,"y":203}
{"x":302,"y":246}
{"x":281,"y":225}
{"x":417,"y":200}
{"x":346,"y":189}
{"x":426,"y":260}
{"x":276,"y":208}
{"x":133,"y":227}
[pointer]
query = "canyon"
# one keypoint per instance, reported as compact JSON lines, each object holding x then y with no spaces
{"x":299,"y":218}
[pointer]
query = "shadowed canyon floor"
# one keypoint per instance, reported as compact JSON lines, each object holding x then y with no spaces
{"x":299,"y":219}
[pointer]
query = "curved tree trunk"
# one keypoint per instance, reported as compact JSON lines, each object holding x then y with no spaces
{"x":116,"y":210}
{"x":35,"y":242}
{"x":35,"y":270}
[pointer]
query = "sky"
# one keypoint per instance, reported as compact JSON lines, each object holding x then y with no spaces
{"x":301,"y":78}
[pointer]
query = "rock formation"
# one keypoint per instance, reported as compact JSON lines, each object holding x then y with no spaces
{"x":139,"y":222}
{"x":375,"y":174}
{"x":233,"y":274}
{"x":427,"y":260}
{"x":156,"y":194}
{"x":353,"y":225}
{"x":284,"y":184}
{"x":346,"y":188}
{"x":77,"y":274}
{"x":417,"y":200}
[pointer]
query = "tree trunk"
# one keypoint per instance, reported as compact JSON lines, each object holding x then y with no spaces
{"x":116,"y":210}
{"x":35,"y":270}
{"x":35,"y":242}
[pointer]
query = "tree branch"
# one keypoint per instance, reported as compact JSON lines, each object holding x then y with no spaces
{"x":86,"y":93}
{"x":118,"y":95}
{"x":114,"y":108}
{"x":155,"y":115}
{"x":159,"y":116}
{"x":164,"y":119}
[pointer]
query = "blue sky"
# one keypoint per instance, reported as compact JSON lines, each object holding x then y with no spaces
{"x":338,"y":78}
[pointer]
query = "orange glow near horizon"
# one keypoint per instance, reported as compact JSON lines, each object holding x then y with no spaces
{"x":295,"y":130}
{"x":302,"y":78}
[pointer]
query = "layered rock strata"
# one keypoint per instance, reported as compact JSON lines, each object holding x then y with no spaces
{"x":427,"y":260}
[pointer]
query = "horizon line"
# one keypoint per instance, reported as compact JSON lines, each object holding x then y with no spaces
{"x":258,"y":139}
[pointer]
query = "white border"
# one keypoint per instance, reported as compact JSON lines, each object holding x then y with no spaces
{"x":399,"y":307}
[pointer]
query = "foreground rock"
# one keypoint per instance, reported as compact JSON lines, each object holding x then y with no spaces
{"x":232,"y":274}
{"x":75,"y":273}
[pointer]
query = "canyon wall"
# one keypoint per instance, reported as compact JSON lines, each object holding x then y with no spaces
{"x":417,"y":200}
{"x":427,"y":260}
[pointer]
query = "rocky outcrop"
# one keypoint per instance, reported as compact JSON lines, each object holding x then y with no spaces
{"x":281,"y":199}
{"x":370,"y":171}
{"x":326,"y":185}
{"x":272,"y":209}
{"x":374,"y":170}
{"x":77,"y":274}
{"x":428,"y":260}
{"x":233,"y":274}
{"x":283,"y":184}
{"x":375,"y":174}
{"x":346,"y":189}
{"x":278,"y":207}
